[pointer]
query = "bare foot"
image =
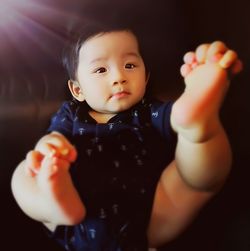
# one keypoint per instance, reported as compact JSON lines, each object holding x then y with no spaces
{"x":195,"y":114}
{"x":55,"y":183}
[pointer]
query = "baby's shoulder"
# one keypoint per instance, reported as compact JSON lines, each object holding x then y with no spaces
{"x":158,"y":106}
{"x":69,"y":107}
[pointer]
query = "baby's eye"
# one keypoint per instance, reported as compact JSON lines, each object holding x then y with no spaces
{"x":130,"y":66}
{"x":100,"y":70}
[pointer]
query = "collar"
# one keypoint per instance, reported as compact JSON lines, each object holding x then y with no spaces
{"x":126,"y":116}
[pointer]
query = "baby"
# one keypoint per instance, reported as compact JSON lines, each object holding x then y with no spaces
{"x":118,"y":169}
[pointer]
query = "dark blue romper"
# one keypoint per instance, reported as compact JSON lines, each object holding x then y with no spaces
{"x":118,"y":167}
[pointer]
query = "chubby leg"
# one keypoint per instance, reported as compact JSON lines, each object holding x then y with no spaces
{"x":206,"y":73}
{"x":203,"y":155}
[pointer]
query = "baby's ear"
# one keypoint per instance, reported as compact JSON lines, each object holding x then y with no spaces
{"x":76,"y":90}
{"x":147,"y":77}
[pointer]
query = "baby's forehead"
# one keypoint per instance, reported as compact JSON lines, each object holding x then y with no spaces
{"x":105,"y":44}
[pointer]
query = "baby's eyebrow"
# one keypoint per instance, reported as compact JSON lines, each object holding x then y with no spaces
{"x":134,"y":54}
{"x":97,"y":60}
{"x":127,"y":54}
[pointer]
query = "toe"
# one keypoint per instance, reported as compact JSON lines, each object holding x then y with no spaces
{"x":185,"y":70}
{"x":228,"y":59}
{"x":189,"y":57}
{"x":237,"y":67}
{"x":201,"y":53}
{"x":217,"y":47}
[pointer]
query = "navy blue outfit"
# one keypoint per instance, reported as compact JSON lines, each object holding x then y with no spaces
{"x":116,"y":173}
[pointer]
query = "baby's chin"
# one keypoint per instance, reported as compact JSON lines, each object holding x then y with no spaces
{"x":123,"y":106}
{"x":115,"y":107}
{"x":120,"y":109}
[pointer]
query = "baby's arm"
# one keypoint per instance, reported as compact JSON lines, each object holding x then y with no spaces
{"x":42,"y":185}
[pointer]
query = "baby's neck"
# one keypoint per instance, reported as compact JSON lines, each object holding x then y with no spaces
{"x":101,"y":118}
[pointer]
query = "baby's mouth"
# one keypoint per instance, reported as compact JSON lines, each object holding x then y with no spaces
{"x":121,"y":94}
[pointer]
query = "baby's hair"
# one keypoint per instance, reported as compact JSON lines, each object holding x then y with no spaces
{"x":80,"y":34}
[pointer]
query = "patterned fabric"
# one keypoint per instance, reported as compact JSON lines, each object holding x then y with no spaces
{"x":119,"y":164}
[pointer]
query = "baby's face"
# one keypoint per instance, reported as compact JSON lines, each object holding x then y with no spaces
{"x":111,"y":72}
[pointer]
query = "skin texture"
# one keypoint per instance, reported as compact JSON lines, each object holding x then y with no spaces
{"x":111,"y":78}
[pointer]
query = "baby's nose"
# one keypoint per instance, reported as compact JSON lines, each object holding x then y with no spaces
{"x":119,"y":77}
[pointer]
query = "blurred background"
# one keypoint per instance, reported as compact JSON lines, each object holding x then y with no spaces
{"x":33,"y":84}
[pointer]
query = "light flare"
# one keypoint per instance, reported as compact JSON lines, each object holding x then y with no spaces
{"x":33,"y":27}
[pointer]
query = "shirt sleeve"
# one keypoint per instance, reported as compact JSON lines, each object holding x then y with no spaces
{"x":62,"y":121}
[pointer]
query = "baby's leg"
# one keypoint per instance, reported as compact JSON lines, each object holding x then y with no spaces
{"x":58,"y":190}
{"x":195,"y":113}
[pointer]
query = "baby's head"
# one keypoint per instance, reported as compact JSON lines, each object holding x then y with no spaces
{"x":106,"y":69}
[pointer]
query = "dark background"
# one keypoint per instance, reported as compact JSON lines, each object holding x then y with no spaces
{"x":33,"y":83}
